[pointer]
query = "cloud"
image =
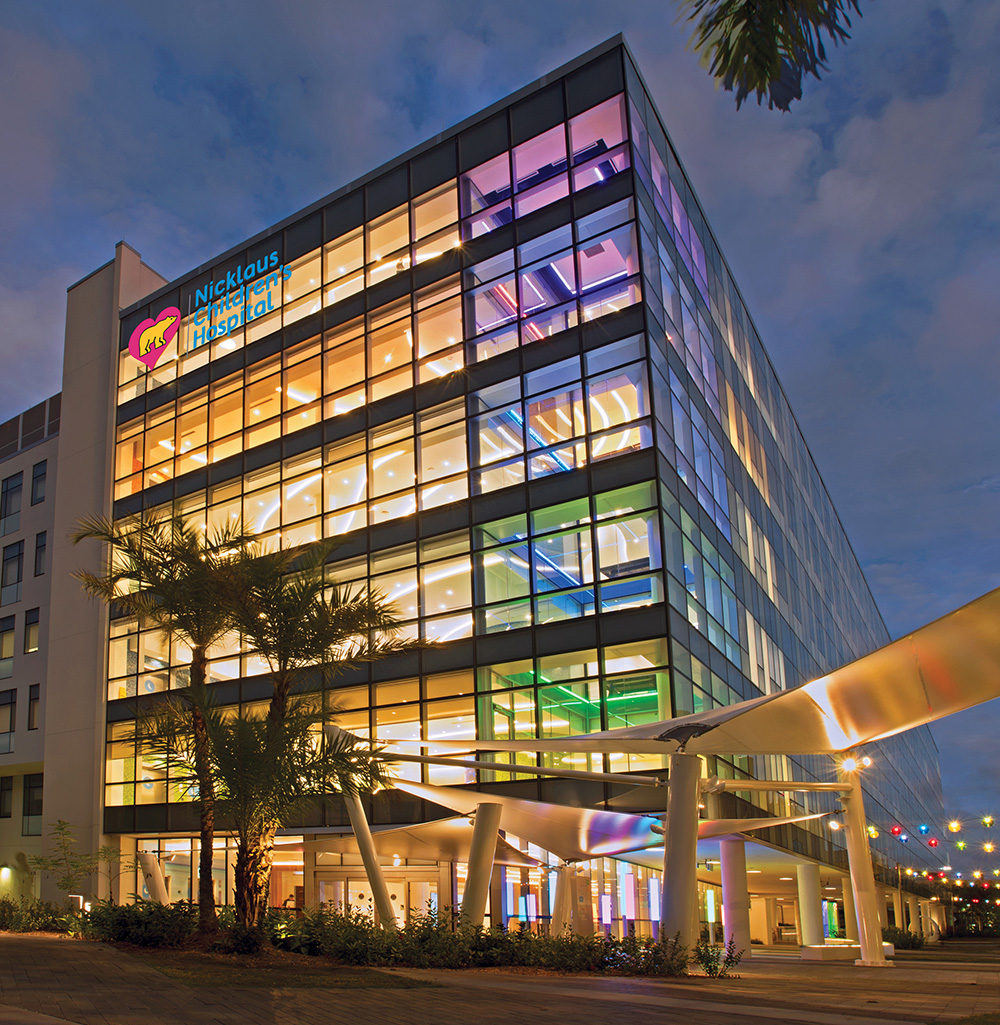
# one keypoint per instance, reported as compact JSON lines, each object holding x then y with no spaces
{"x":33,"y":325}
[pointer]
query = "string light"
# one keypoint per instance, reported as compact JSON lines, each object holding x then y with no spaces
{"x":896,"y":830}
{"x":989,"y":847}
{"x":923,"y":829}
{"x":987,"y":821}
{"x":954,"y":826}
{"x":873,"y":832}
{"x":933,"y":842}
{"x":961,"y":845}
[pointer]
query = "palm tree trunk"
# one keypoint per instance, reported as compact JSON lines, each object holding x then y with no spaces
{"x":207,"y":919}
{"x":254,"y":857}
{"x":278,"y":708}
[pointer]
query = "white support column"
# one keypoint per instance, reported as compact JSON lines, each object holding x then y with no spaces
{"x":485,"y":834}
{"x":897,"y":909}
{"x":810,"y":904}
{"x":152,"y":874}
{"x":562,"y":901}
{"x":850,"y":915}
{"x":309,"y":874}
{"x":735,"y":893}
{"x":862,"y":877}
{"x":369,"y":858}
{"x":680,"y":850}
{"x":913,"y":906}
{"x":771,"y":921}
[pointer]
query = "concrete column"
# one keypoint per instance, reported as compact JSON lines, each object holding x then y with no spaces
{"x":152,"y":874}
{"x":735,"y":893}
{"x":927,"y":919}
{"x":850,"y":915}
{"x":562,"y":901}
{"x":883,"y":915}
{"x":913,"y":906}
{"x":582,"y":914}
{"x":680,"y":850}
{"x":810,"y":904}
{"x":309,"y":874}
{"x":369,"y":858}
{"x":862,"y":877}
{"x":897,"y":909}
{"x":485,"y":834}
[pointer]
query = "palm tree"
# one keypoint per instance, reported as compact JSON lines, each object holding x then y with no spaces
{"x":168,"y":573}
{"x":264,"y":769}
{"x":297,"y":621}
{"x":765,"y":46}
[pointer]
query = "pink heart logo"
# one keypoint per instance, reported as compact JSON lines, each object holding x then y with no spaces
{"x":150,"y":339}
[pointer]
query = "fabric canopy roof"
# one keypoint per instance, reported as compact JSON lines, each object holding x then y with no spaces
{"x":575,"y":834}
{"x":442,"y":840}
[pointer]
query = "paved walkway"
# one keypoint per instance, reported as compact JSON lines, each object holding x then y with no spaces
{"x":51,"y":980}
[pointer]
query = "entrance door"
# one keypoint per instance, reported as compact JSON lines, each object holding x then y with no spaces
{"x":411,"y":892}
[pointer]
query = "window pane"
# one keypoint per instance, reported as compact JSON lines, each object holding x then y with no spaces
{"x":344,"y":255}
{"x":608,"y":259}
{"x":442,"y":452}
{"x":435,"y":210}
{"x":303,"y":277}
{"x":562,"y":560}
{"x":628,"y":546}
{"x":302,"y":497}
{"x":390,"y":348}
{"x":540,"y":158}
{"x":388,"y":234}
{"x":486,"y":185}
{"x":556,"y":417}
{"x":548,"y":283}
{"x":346,"y":483}
{"x":391,"y":462}
{"x":597,"y":130}
{"x":345,"y":365}
{"x":302,"y":383}
{"x":491,"y":306}
{"x":439,"y":327}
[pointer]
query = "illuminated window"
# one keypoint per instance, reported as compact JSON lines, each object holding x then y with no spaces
{"x":31,"y":630}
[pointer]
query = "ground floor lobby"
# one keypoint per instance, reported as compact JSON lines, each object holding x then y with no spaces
{"x":614,"y":896}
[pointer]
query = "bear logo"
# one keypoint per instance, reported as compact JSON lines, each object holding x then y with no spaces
{"x":150,"y":339}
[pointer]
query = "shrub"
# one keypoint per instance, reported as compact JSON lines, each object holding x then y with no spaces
{"x":902,"y":939}
{"x":238,"y":939}
{"x":427,"y":941}
{"x":36,"y":916}
{"x":718,"y":962}
{"x":145,"y":923}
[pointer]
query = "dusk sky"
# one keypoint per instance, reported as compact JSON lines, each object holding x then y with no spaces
{"x":863,"y":227}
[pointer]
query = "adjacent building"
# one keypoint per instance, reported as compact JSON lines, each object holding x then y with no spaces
{"x":512,"y":373}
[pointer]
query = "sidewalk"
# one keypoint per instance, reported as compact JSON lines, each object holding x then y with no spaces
{"x":51,"y":980}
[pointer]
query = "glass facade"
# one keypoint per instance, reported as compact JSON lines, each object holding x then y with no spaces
{"x":513,"y":374}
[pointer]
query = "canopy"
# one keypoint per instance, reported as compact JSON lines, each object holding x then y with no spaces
{"x":442,"y":840}
{"x":575,"y":834}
